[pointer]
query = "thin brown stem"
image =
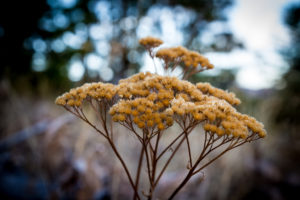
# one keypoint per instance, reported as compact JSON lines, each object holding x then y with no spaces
{"x":111,"y":130}
{"x":168,"y":147}
{"x":86,"y":120}
{"x":133,"y":130}
{"x":189,"y":150}
{"x":234,"y":143}
{"x":154,"y":163}
{"x":96,"y":111}
{"x":147,"y":158}
{"x":106,"y":135}
{"x":171,"y":157}
{"x":137,"y":178}
{"x":124,"y":166}
{"x":215,"y":158}
{"x":190,"y":173}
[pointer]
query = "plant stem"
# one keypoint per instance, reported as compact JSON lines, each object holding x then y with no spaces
{"x":138,"y":173}
{"x":169,"y":160}
{"x":124,"y":166}
{"x":189,"y":150}
{"x":192,"y":171}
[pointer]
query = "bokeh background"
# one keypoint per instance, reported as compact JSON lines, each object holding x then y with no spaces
{"x":50,"y":46}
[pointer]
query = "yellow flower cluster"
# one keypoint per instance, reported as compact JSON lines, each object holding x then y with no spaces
{"x":219,"y":116}
{"x":156,"y":87}
{"x":173,"y":54}
{"x":240,"y":125}
{"x":206,"y":88}
{"x":187,"y":57}
{"x":148,"y":95}
{"x":96,"y":91}
{"x":150,"y":42}
{"x":193,"y":58}
{"x":153,"y":101}
{"x":143,"y":112}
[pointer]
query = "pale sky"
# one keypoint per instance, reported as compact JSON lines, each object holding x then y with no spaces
{"x":259,"y":25}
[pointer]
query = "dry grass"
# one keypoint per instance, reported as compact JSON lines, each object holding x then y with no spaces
{"x":77,"y":161}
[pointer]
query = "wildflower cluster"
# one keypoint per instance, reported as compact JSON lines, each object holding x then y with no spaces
{"x":150,"y":42}
{"x":153,"y":103}
{"x":76,"y":96}
{"x":143,"y":112}
{"x":206,"y":88}
{"x":192,"y":61}
{"x":219,"y":117}
{"x":181,"y":54}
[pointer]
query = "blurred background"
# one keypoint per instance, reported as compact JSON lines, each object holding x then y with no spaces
{"x":50,"y":46}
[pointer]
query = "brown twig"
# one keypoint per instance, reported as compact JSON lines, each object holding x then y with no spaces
{"x":137,"y":178}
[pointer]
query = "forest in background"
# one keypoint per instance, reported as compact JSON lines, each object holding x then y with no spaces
{"x":44,"y":152}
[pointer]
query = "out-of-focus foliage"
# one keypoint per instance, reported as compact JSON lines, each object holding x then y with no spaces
{"x":18,"y":21}
{"x":276,"y":174}
{"x":62,"y":159}
{"x":287,"y":115}
{"x":225,"y":79}
{"x":58,"y":40}
{"x":40,"y":40}
{"x":289,"y":106}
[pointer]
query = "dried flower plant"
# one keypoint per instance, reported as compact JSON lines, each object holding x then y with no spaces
{"x":148,"y":104}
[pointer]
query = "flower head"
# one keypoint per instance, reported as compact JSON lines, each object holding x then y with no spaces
{"x":150,"y":42}
{"x":153,"y":103}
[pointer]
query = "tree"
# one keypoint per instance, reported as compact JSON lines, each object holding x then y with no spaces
{"x":56,"y":34}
